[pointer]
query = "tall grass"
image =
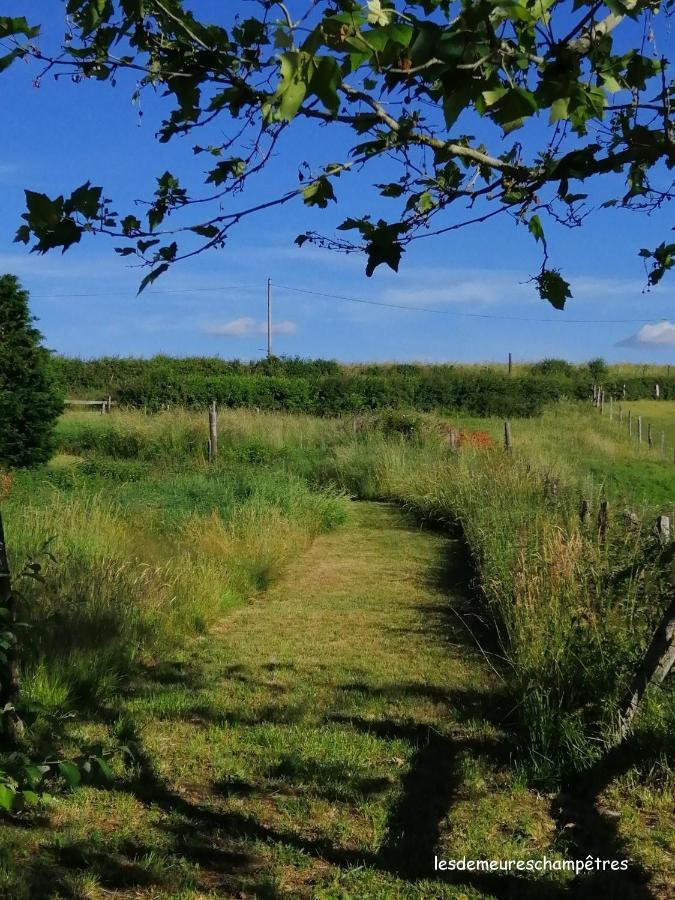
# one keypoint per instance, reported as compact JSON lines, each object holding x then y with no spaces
{"x":152,"y":544}
{"x":142,"y":545}
{"x":573,"y":613}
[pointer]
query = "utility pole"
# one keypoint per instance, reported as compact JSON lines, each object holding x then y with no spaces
{"x":269,"y":318}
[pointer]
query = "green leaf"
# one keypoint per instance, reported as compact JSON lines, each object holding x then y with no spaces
{"x":559,"y":109}
{"x":207,"y":231}
{"x":70,"y":773}
{"x":291,"y":100}
{"x":7,"y":797}
{"x":283,"y":39}
{"x":379,"y":13}
{"x":514,"y":107}
{"x":228,"y":168}
{"x":536,"y":229}
{"x":378,"y":254}
{"x":491,"y":97}
{"x":7,"y":60}
{"x":391,"y":190}
{"x":42,"y":211}
{"x":10,"y":26}
{"x":153,"y":276}
{"x":130,"y":224}
{"x":294,"y":68}
{"x":144,"y":246}
{"x":325,"y":82}
{"x":383,"y":246}
{"x":319,"y":193}
{"x":85,"y":200}
{"x":104,"y":768}
{"x":553,"y":287}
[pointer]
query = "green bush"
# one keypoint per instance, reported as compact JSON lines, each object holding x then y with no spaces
{"x":29,"y":400}
{"x":552,"y":367}
{"x":597,"y":368}
{"x":325,"y":388}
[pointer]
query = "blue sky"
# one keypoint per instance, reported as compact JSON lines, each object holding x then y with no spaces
{"x":475,"y":280}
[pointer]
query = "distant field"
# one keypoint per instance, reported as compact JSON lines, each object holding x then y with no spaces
{"x":660,"y":413}
{"x":575,"y":444}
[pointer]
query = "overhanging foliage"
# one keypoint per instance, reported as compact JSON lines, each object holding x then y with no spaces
{"x":563,"y":94}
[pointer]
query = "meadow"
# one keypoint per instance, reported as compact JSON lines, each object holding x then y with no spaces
{"x":243,"y":629}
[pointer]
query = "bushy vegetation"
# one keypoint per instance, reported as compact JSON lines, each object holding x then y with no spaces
{"x":148,"y":543}
{"x":320,"y":387}
{"x":29,"y":400}
{"x":572,"y":613}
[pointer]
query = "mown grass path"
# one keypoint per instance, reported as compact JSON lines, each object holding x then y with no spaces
{"x":345,"y":715}
{"x":327,"y":740}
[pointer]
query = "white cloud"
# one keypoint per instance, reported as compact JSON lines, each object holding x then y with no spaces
{"x":247,"y":327}
{"x":660,"y":335}
{"x":437,"y":286}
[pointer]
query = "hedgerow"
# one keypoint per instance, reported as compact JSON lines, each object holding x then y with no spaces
{"x":323,"y":387}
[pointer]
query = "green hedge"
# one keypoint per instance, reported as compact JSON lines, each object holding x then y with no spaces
{"x":324,"y":387}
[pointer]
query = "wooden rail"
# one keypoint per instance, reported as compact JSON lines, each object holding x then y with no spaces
{"x":104,"y":405}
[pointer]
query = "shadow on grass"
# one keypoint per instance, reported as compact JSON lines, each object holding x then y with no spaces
{"x":225,"y":851}
{"x":593,"y":831}
{"x":231,"y":851}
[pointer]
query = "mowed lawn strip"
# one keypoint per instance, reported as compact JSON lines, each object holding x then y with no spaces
{"x":347,"y":715}
{"x":326,"y":740}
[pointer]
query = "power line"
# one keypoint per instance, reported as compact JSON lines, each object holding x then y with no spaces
{"x":562,"y":320}
{"x":196,"y":290}
{"x":445,"y":312}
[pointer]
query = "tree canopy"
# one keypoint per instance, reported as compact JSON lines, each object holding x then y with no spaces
{"x":563,"y":95}
{"x":29,"y":400}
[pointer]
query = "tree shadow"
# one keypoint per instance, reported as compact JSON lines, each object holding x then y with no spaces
{"x":593,"y":831}
{"x":429,"y":790}
{"x":226,"y":847}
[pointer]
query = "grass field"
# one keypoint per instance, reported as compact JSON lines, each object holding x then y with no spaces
{"x":317,"y":694}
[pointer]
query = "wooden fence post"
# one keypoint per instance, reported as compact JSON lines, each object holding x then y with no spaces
{"x":663,"y":528}
{"x":639,"y":429}
{"x":630,"y":423}
{"x":657,"y":392}
{"x":508,"y":442}
{"x":584,"y":512}
{"x":602,"y":400}
{"x":510,"y":363}
{"x":213,"y":432}
{"x":611,"y":409}
{"x":603,"y":520}
{"x":655,"y":666}
{"x":650,"y":436}
{"x":10,"y":683}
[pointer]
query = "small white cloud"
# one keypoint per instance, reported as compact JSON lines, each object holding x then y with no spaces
{"x":248,"y":327}
{"x":660,"y":335}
